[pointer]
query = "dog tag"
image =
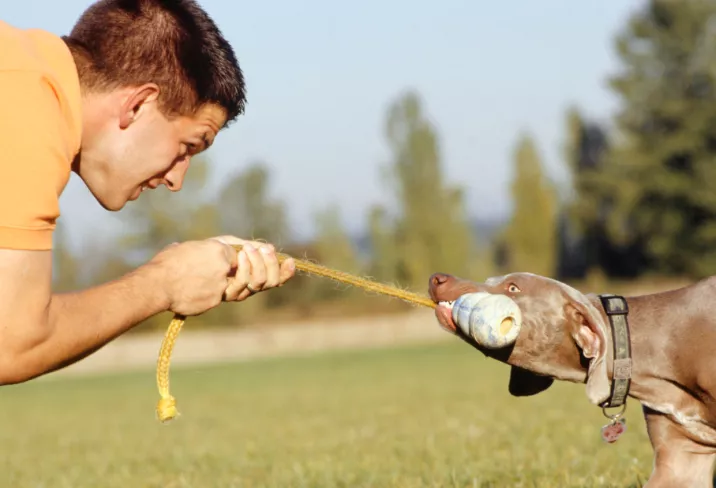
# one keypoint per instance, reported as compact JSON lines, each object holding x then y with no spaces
{"x":613,"y":430}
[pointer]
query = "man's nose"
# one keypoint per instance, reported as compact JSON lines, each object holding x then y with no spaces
{"x":174,"y":179}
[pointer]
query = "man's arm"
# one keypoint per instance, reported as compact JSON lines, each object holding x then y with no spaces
{"x":41,"y":332}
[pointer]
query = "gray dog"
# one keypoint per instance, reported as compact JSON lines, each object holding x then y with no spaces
{"x":659,"y":349}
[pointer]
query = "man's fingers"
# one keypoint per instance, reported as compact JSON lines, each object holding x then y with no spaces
{"x":243,"y":274}
{"x":237,"y":286}
{"x":243,"y":295}
{"x":258,"y":267}
{"x":233,"y":257}
{"x":288,"y":269}
{"x":273,"y":271}
{"x":229,"y":251}
{"x":231,"y":240}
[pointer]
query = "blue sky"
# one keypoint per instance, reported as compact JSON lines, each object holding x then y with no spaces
{"x":320,"y":75}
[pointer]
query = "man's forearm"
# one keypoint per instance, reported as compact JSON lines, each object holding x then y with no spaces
{"x":80,"y":323}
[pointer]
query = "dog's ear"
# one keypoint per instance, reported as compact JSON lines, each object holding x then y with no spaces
{"x":527,"y":383}
{"x":589,"y":331}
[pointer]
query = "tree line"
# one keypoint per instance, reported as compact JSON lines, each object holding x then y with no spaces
{"x":641,"y":200}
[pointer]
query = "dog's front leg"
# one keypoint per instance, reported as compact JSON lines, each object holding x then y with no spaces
{"x":678,"y":460}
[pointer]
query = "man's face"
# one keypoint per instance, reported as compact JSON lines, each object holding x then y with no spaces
{"x":140,"y":148}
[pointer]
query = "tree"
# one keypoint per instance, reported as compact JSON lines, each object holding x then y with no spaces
{"x":248,"y":211}
{"x":582,"y":231}
{"x":662,"y":172}
{"x":336,"y":250}
{"x":530,"y":238}
{"x":584,"y":153}
{"x":431,"y":230}
{"x":384,"y":262}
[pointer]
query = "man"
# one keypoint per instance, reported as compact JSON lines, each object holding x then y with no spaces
{"x":124,"y":101}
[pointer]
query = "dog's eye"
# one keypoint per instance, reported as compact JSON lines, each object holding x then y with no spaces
{"x":513,"y":288}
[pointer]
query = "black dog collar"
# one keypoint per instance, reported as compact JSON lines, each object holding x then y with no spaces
{"x":617,"y":309}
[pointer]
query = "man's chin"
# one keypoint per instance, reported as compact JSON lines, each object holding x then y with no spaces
{"x":115,"y":208}
{"x":114,"y":205}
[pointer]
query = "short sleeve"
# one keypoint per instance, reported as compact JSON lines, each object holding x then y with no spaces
{"x":35,"y":160}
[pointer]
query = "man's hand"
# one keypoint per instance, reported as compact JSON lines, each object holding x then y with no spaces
{"x":198,"y":275}
{"x":258,"y":269}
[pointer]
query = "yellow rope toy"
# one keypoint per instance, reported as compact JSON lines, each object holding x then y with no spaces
{"x":166,"y":408}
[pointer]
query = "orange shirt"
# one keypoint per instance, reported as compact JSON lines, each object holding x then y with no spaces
{"x":40,"y":133}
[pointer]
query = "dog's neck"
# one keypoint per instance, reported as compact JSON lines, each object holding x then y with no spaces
{"x":618,"y":348}
{"x":642,"y":332}
{"x":671,"y":340}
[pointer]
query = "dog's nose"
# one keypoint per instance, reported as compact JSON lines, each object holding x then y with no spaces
{"x":437,"y":281}
{"x":439,"y":278}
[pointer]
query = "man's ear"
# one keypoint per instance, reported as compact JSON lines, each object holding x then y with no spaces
{"x":133,"y":102}
{"x":527,"y":383}
{"x":589,"y":331}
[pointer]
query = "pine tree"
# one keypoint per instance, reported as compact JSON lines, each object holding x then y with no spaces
{"x":584,"y":154}
{"x":663,"y":172}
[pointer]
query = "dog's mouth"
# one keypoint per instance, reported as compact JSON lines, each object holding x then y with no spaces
{"x":443,"y":312}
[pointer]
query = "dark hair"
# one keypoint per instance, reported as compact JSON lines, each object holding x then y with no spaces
{"x":172,"y":43}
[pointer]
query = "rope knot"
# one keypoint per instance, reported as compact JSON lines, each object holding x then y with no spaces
{"x":167,"y":409}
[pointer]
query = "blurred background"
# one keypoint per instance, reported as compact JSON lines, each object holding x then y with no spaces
{"x":395,"y":139}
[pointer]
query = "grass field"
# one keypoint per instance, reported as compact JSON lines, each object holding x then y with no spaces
{"x":424,"y":416}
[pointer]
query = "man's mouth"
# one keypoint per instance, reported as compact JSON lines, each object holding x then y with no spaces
{"x":139,"y":191}
{"x":443,"y":312}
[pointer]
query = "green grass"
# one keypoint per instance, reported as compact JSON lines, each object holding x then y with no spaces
{"x":437,"y":416}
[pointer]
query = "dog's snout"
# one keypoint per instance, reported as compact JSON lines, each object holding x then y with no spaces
{"x":437,"y":282}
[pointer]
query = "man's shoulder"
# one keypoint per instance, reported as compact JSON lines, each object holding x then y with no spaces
{"x":22,"y":49}
{"x":44,"y":60}
{"x":40,"y":133}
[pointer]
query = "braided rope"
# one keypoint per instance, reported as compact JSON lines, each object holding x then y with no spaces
{"x":166,"y":408}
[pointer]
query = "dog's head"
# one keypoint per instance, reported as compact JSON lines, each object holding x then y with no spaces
{"x":554,"y":330}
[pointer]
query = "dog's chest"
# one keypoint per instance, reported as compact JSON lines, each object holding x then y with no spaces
{"x":695,"y":424}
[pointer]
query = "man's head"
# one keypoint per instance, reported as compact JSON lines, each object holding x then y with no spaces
{"x":159,"y":81}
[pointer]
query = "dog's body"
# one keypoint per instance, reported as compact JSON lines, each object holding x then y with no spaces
{"x":566,"y":335}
